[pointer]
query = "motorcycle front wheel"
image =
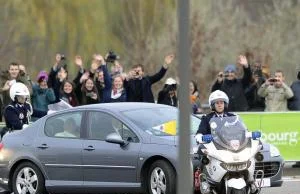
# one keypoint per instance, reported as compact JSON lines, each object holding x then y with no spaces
{"x":238,"y":191}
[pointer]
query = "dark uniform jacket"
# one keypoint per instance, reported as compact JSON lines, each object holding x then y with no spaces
{"x":204,"y":127}
{"x":16,"y":115}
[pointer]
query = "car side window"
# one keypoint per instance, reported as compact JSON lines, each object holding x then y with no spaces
{"x":64,"y":126}
{"x":102,"y":124}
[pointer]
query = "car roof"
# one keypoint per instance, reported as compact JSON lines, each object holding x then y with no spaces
{"x":121,"y":106}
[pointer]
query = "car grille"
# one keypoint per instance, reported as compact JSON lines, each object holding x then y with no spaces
{"x":270,"y":168}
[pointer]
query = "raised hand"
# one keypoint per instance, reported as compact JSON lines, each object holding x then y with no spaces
{"x":169,"y":59}
{"x":84,"y":77}
{"x":78,"y":61}
{"x":57,"y":60}
{"x":99,"y":58}
{"x":243,"y":61}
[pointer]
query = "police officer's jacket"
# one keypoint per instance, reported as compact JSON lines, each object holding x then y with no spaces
{"x":16,"y":115}
{"x":204,"y":127}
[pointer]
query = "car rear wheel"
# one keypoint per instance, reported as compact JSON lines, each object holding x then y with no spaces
{"x":28,"y":179}
{"x":162,"y":178}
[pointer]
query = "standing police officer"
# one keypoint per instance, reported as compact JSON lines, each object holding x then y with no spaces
{"x":17,"y":113}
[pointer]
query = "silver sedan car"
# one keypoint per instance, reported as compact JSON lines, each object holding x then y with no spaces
{"x":115,"y":147}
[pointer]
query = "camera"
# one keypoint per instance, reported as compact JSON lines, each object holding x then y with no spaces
{"x":62,"y":57}
{"x":112,"y":56}
{"x":272,"y":80}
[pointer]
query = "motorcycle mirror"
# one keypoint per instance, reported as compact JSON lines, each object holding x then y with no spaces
{"x":256,"y":135}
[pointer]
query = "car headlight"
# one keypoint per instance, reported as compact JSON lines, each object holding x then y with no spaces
{"x":274,"y":151}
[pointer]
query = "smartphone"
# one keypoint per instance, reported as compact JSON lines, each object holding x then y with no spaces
{"x":89,"y":94}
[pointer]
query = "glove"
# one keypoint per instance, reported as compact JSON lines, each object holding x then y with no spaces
{"x":50,"y":112}
{"x":198,"y":138}
{"x":24,"y":126}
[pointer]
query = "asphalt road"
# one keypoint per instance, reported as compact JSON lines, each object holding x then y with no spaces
{"x":291,"y":182}
{"x":289,"y":186}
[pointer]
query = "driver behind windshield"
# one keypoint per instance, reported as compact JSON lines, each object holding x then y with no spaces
{"x":218,"y":102}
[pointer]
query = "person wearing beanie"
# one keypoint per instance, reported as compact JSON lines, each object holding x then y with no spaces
{"x":42,"y":95}
{"x":234,"y":87}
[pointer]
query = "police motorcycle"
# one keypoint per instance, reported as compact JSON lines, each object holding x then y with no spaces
{"x":228,"y":158}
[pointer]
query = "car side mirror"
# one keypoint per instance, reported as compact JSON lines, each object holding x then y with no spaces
{"x":116,"y":138}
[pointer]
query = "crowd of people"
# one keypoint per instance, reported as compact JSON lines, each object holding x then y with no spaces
{"x":255,"y":91}
{"x":96,"y":84}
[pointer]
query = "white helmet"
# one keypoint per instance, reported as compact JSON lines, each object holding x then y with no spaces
{"x":217,"y":95}
{"x":18,"y":89}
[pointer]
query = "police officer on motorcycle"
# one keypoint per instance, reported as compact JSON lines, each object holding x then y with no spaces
{"x":218,"y":102}
{"x":17,"y":113}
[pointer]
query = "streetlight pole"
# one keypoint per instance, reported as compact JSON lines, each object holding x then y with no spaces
{"x":184,"y":184}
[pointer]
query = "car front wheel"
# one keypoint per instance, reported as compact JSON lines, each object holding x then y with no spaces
{"x":162,"y":178}
{"x":28,"y":179}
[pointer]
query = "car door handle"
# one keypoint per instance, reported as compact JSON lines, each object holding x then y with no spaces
{"x":89,"y":148}
{"x":43,"y":146}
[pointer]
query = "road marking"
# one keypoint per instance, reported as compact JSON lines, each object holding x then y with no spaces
{"x":291,"y":179}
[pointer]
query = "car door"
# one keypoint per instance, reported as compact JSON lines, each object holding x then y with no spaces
{"x":105,"y":162}
{"x":59,"y":149}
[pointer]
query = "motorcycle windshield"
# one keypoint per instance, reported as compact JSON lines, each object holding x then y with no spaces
{"x":229,"y":132}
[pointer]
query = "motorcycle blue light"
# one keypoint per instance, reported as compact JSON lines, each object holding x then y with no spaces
{"x":207,"y":138}
{"x":256,"y":135}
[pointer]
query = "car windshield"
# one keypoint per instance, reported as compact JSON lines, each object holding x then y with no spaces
{"x":160,"y":121}
{"x":229,"y":132}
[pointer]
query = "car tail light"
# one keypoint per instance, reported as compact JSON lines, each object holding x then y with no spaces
{"x":1,"y":146}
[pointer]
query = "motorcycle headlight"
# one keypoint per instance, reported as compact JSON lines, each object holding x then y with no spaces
{"x":274,"y":151}
{"x":236,"y":166}
{"x":194,"y":150}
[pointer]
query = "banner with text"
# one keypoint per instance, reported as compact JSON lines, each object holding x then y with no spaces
{"x":279,"y":129}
